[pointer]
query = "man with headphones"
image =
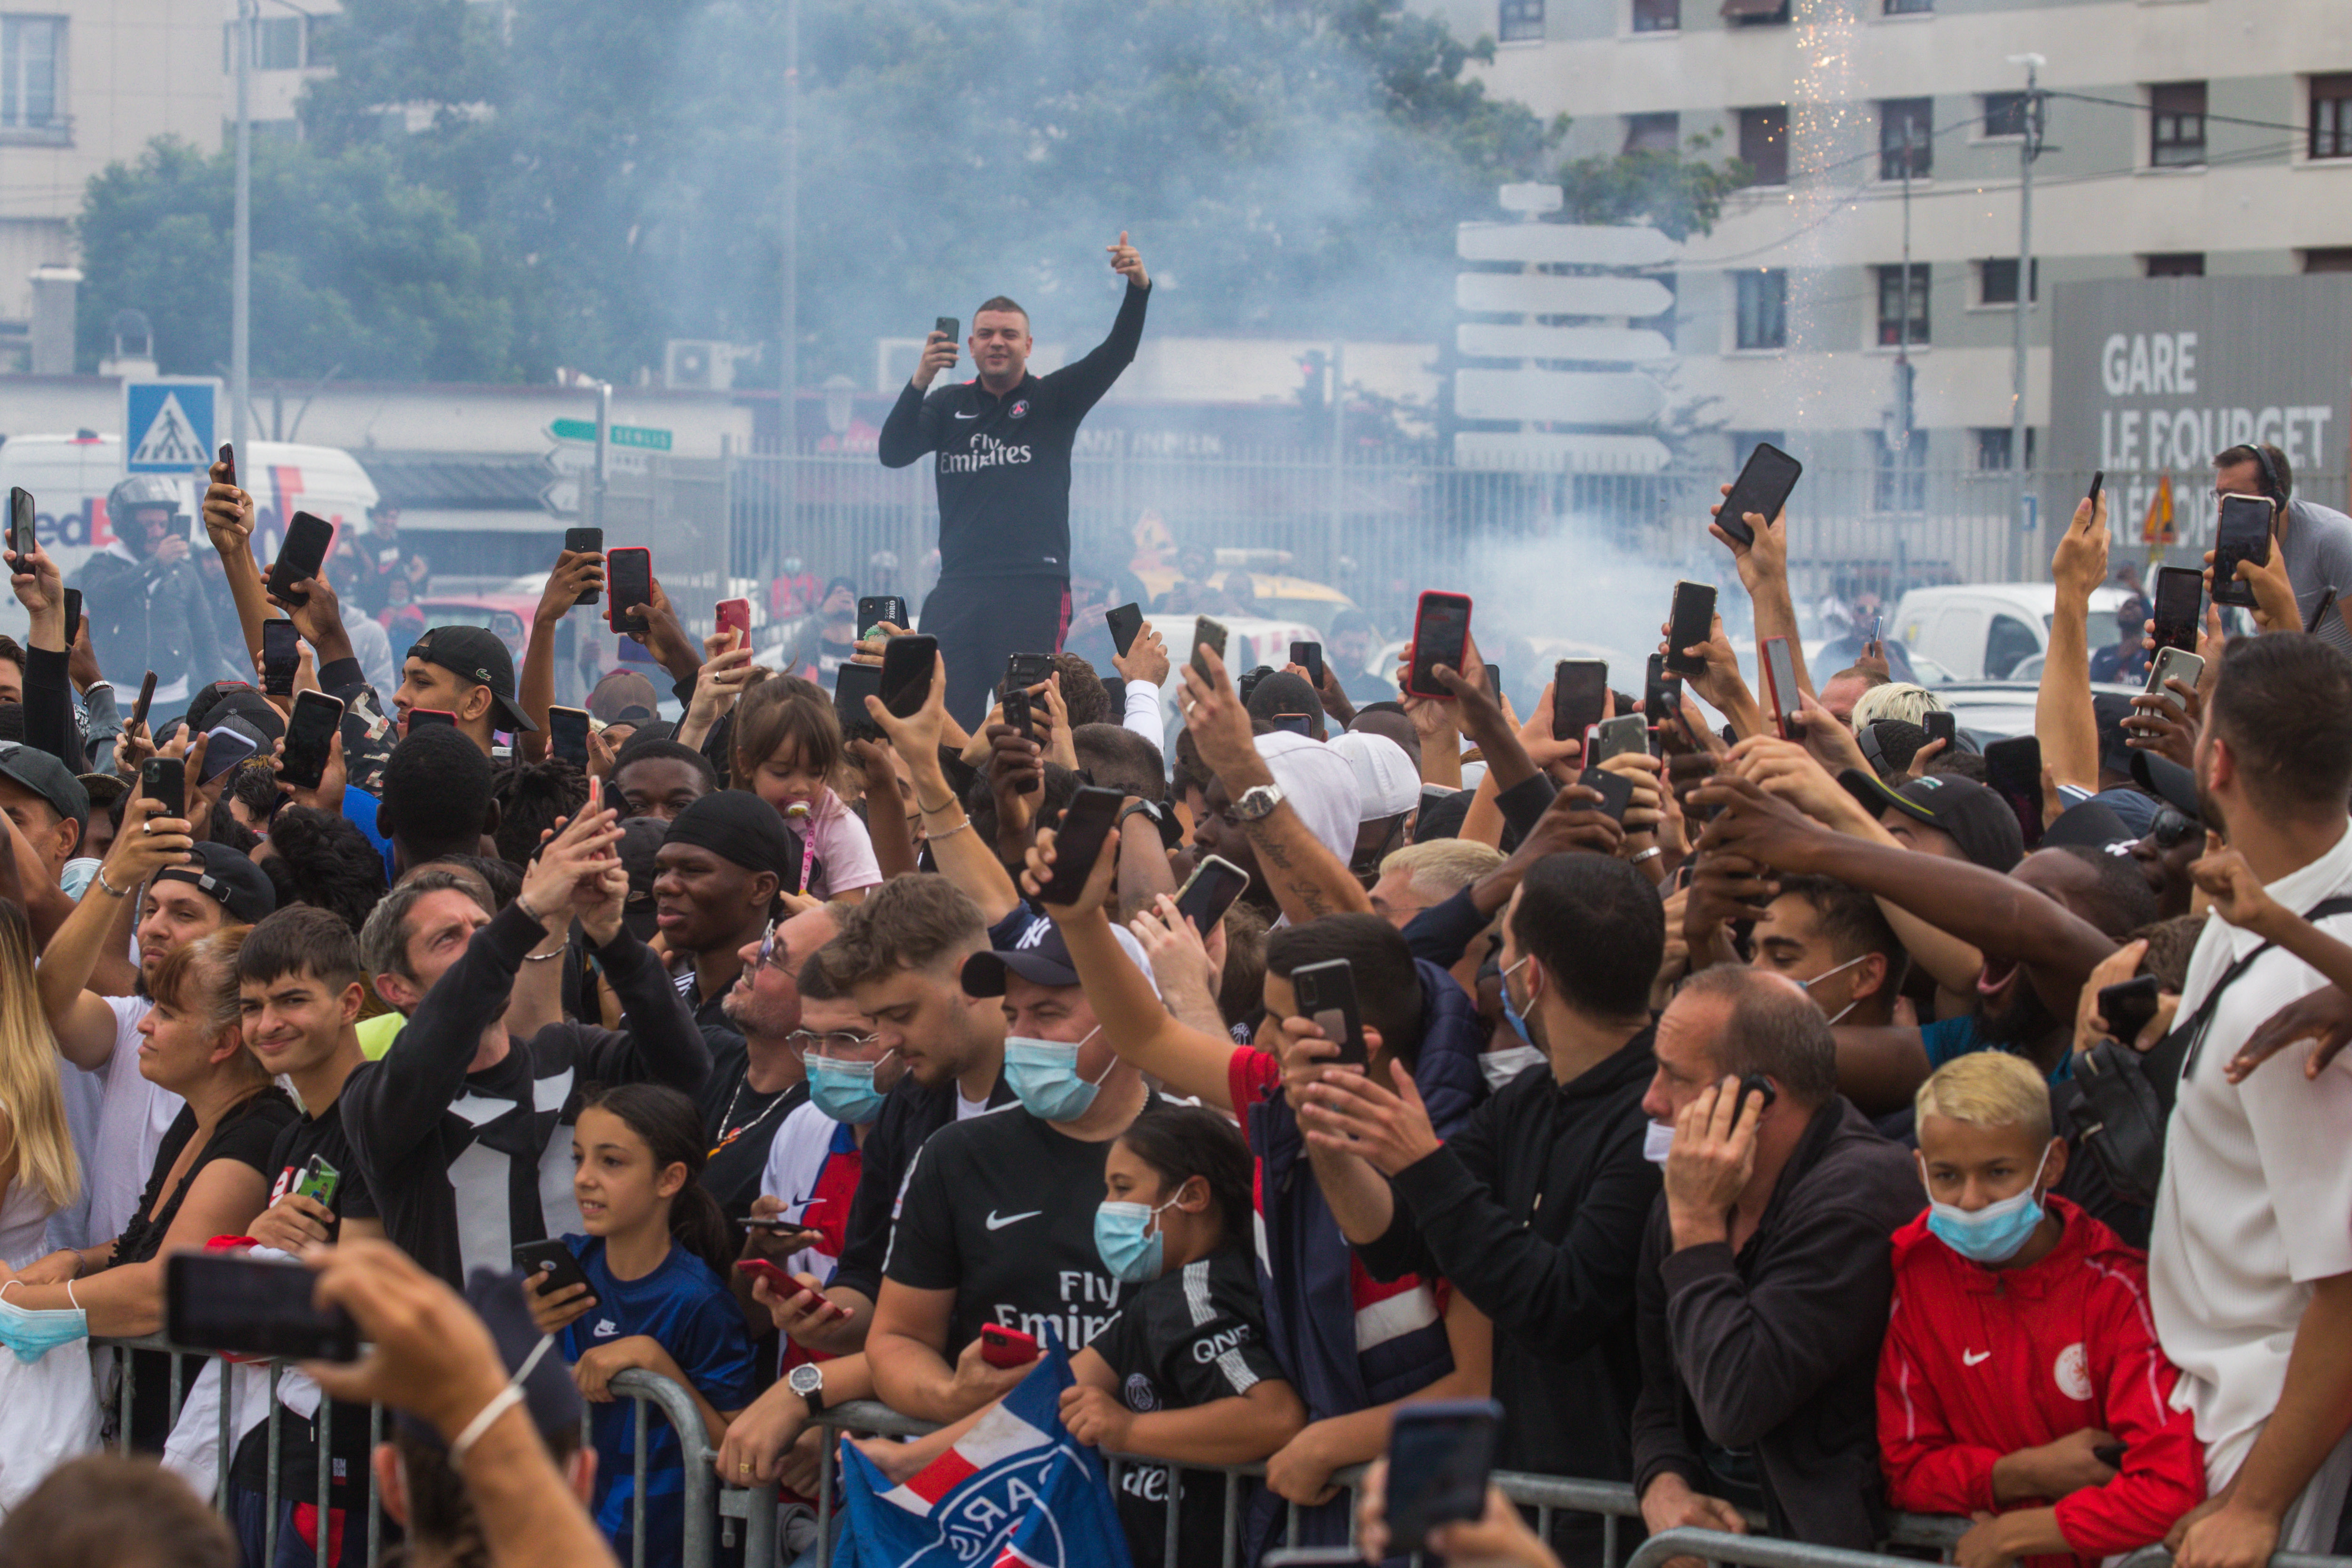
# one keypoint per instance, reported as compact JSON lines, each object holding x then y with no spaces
{"x":2315,"y":541}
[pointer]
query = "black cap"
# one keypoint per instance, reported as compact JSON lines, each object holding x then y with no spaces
{"x":1040,"y":957}
{"x":2168,"y":781}
{"x":47,"y":777}
{"x":215,"y":704}
{"x":228,"y":878}
{"x":1975,"y":819}
{"x":479,"y":655}
{"x":2089,"y":823}
{"x":531,"y":1358}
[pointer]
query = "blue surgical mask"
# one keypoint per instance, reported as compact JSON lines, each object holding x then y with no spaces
{"x":845,"y":1090}
{"x":1044,"y":1075}
{"x":1995,"y":1233}
{"x":1502,"y":1067}
{"x":1511,"y":1013}
{"x":1132,"y":1256}
{"x":32,"y":1335}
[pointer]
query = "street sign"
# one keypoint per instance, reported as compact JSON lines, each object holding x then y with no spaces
{"x":1539,"y":450}
{"x":169,"y":424}
{"x":1580,"y":244}
{"x":1545,"y":294}
{"x":560,"y":497}
{"x":1574,"y":398}
{"x":1618,"y":345}
{"x":1532,"y":198}
{"x":568,"y":459}
{"x":642,"y":437}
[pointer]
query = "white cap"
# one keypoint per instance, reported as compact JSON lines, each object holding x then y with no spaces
{"x":1319,"y":786}
{"x":1386,"y":784}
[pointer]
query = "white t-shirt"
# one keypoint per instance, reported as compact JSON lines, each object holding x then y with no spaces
{"x":132,"y":1117}
{"x":2256,"y":1198}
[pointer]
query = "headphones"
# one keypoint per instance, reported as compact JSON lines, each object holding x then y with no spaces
{"x":2270,"y":485}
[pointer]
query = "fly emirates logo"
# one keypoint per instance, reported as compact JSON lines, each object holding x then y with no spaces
{"x":986,"y":452}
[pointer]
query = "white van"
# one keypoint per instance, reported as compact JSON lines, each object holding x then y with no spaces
{"x":1983,"y":631}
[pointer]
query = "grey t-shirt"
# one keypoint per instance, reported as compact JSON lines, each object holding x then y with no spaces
{"x":2319,"y":557}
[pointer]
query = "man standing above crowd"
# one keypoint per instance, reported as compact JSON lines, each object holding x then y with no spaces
{"x":1003,"y":442}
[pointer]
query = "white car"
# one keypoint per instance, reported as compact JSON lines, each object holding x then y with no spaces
{"x":1985,"y":631}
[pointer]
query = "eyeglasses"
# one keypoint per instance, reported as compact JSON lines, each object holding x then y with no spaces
{"x":832,"y":1044}
{"x":767,"y":948}
{"x":2172,"y":830}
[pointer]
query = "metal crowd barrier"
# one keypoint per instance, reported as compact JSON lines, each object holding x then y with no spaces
{"x":755,"y":1507}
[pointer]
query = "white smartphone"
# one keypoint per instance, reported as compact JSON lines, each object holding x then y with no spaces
{"x":2174,"y":663}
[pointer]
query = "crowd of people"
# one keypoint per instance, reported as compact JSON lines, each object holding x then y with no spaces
{"x":1758,"y":1131}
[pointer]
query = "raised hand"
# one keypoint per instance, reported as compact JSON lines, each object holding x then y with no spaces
{"x":1128,"y":263}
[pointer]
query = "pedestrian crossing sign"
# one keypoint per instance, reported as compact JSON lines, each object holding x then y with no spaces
{"x":168,"y":424}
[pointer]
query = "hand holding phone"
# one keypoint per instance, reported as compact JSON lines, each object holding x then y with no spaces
{"x":1763,"y":489}
{"x":585,"y":541}
{"x":1079,"y":843}
{"x":310,"y":739}
{"x":1690,"y":622}
{"x":1441,"y":635}
{"x":1325,"y":993}
{"x":1005,"y":1349}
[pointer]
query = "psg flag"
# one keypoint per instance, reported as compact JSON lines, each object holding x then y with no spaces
{"x":1017,"y":1492}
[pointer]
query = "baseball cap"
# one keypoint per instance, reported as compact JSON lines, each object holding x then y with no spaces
{"x":1040,"y":956}
{"x":1386,"y":784}
{"x":2089,"y":823}
{"x":477,"y":654}
{"x":225,"y":699}
{"x":2168,"y":781}
{"x":624,"y":696}
{"x":45,"y":776}
{"x":1972,"y":815}
{"x":228,"y":878}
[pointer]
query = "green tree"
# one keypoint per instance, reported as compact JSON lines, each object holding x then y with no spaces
{"x":1679,"y":193}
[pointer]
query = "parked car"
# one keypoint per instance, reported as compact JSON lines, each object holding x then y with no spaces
{"x":1985,"y":631}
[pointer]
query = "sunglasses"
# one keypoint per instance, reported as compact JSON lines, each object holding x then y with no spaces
{"x":2172,"y":830}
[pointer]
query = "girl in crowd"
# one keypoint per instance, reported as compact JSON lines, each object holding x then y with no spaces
{"x":656,"y":1253}
{"x":788,"y":749}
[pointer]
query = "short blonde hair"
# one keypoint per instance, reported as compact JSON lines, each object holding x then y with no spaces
{"x":1443,"y":867}
{"x":1987,"y":1088}
{"x":1895,"y":700}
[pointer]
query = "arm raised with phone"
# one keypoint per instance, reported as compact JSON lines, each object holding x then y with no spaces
{"x":956,"y":849}
{"x":2063,"y":715}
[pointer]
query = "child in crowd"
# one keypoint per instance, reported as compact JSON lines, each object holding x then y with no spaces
{"x":1183,"y":1373}
{"x":788,"y":749}
{"x":2020,"y":1380}
{"x":654,"y":1254}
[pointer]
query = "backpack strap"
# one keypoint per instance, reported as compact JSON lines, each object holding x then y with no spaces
{"x":2192,"y":1033}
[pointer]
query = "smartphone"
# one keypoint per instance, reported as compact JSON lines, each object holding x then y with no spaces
{"x":1628,"y":732}
{"x":2180,"y":602}
{"x":73,"y":615}
{"x":24,"y":533}
{"x":2174,"y":663}
{"x":1441,"y":635}
{"x":1210,"y":891}
{"x":310,"y":739}
{"x":2129,"y":1007}
{"x":781,"y":1282}
{"x":908,"y":663}
{"x":319,"y":1181}
{"x":567,"y":735}
{"x":1210,"y":635}
{"x":1616,"y":791}
{"x":299,"y":557}
{"x":735,"y":616}
{"x":2013,"y":769}
{"x":1003,"y":1347}
{"x":165,"y":779}
{"x":585,"y":541}
{"x":1781,"y":687}
{"x":1024,"y":670}
{"x":1690,"y":622}
{"x":281,"y":657}
{"x":629,"y":573}
{"x":420,"y":716}
{"x":1756,"y":1084}
{"x":1125,"y":624}
{"x":224,"y":749}
{"x":1326,"y":992}
{"x":2243,"y":534}
{"x":1762,"y":487}
{"x":1079,"y":843}
{"x":2108,"y":1453}
{"x":876,"y":608}
{"x":1942,"y":724}
{"x":852,"y":685}
{"x":1580,"y":693}
{"x":551,"y":1259}
{"x":952,"y":330}
{"x":146,"y":698}
{"x":1441,"y":1460}
{"x":1309,"y":657}
{"x":1661,"y":696}
{"x":1017,"y":713}
{"x":252,"y":1306}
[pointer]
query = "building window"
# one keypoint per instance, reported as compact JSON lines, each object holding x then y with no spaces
{"x":1756,"y":13}
{"x":2004,"y":114}
{"x":1890,"y":306}
{"x":1992,"y":448}
{"x":2175,"y":125}
{"x":1653,"y":132}
{"x":1657,"y":16}
{"x":1997,"y":280}
{"x":2331,"y":116}
{"x":1906,"y":117}
{"x":2176,"y":264}
{"x":1760,"y":299}
{"x":29,"y":47}
{"x":2336,"y":258}
{"x":1909,"y":7}
{"x":1764,"y":144}
{"x":1521,"y":21}
{"x":277,"y":44}
{"x":1902,"y":479}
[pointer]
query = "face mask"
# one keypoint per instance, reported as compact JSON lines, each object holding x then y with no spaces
{"x":1995,"y":1233}
{"x":1824,"y":975}
{"x":845,"y":1090}
{"x":1131,"y":1255}
{"x":1502,"y":1067}
{"x":32,"y":1335}
{"x":1044,"y":1075}
{"x":1658,"y":1141}
{"x":1511,"y":1013}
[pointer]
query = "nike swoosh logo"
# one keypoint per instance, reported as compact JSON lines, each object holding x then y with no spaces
{"x":967,"y":416}
{"x":1968,"y":1359}
{"x":995,"y":1222}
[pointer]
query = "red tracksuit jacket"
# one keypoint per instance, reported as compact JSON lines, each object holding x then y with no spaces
{"x":1979,"y":1363}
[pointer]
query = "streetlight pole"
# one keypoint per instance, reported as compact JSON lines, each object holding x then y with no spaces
{"x":2029,"y":148}
{"x":240,"y":286}
{"x":788,"y":334}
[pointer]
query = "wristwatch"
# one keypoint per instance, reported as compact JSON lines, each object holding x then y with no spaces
{"x":1172,"y":832}
{"x":807,"y":1380}
{"x":1257,"y":803}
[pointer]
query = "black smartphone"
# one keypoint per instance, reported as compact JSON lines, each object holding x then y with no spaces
{"x":1580,"y":693}
{"x":309,"y":737}
{"x":2129,"y":1007}
{"x":1944,"y":725}
{"x":585,"y":541}
{"x":73,"y":615}
{"x":2013,"y":769}
{"x":1763,"y":488}
{"x":629,"y":574}
{"x":1210,"y":891}
{"x":875,"y":608}
{"x":252,"y":1306}
{"x":1210,"y":635}
{"x":23,"y":531}
{"x":852,"y":685}
{"x":2097,"y":480}
{"x":1017,"y":713}
{"x":1689,"y":624}
{"x":2180,"y":602}
{"x":1125,"y":624}
{"x":1309,"y":657}
{"x":908,"y":663}
{"x":1441,"y":635}
{"x":2108,"y":1453}
{"x":281,"y":657}
{"x":146,"y":698}
{"x":567,"y":735}
{"x":553,"y":1258}
{"x":299,"y":557}
{"x":165,"y":779}
{"x":2243,"y":534}
{"x":1024,"y":670}
{"x":1325,"y":993}
{"x":1440,"y":1460}
{"x":1756,"y":1084}
{"x":1616,"y":792}
{"x":1078,"y":842}
{"x":421,"y":717}
{"x":949,"y":327}
{"x":1780,"y":684}
{"x":228,"y":460}
{"x":1661,"y":696}
{"x":224,"y":749}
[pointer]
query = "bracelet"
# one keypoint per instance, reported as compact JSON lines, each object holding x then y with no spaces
{"x":544,"y":957}
{"x":932,"y":810}
{"x":108,"y":889}
{"x":1651,"y":853}
{"x":963,"y":826}
{"x":505,"y":1399}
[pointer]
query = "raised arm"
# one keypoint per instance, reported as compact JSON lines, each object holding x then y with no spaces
{"x":1763,"y":566}
{"x":229,"y":524}
{"x":102,"y":923}
{"x":1085,"y":382}
{"x":956,"y":847}
{"x":2062,"y":717}
{"x":576,"y":572}
{"x":663,"y":1044}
